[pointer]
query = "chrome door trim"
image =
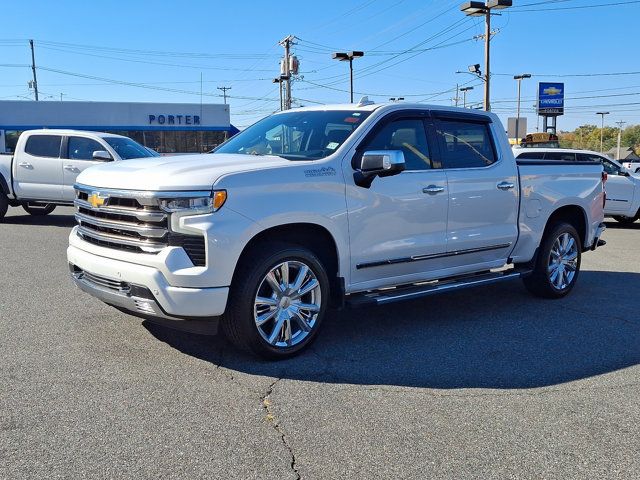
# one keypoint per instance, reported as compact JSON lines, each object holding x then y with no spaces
{"x":418,"y":258}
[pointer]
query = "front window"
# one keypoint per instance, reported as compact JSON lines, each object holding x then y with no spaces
{"x":127,"y":148}
{"x":305,"y":135}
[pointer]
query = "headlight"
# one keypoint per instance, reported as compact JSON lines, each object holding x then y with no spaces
{"x":195,"y":205}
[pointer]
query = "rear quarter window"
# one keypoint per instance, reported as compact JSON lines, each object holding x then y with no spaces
{"x":531,"y":156}
{"x":43,"y":145}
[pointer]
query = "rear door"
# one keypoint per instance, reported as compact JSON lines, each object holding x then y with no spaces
{"x":483,"y":191}
{"x":78,"y":155}
{"x":38,"y":169}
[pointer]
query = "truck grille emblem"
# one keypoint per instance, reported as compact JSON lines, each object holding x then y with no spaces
{"x":96,"y":200}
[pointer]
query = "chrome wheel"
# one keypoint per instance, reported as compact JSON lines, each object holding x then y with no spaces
{"x":563,"y":261}
{"x":287,"y":304}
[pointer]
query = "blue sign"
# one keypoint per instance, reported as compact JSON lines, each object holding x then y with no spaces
{"x":550,"y":98}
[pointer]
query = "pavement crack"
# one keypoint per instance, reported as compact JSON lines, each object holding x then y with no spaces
{"x":273,"y":421}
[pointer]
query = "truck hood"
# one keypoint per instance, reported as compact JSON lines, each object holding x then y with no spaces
{"x":180,"y":172}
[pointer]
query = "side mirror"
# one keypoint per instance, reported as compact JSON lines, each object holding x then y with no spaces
{"x":624,"y":172}
{"x":102,"y":155}
{"x":378,"y":163}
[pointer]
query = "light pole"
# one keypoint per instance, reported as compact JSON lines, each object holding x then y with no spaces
{"x":479,"y":9}
{"x":279,"y":80}
{"x":464,"y":91}
{"x":519,"y":79}
{"x":620,"y":125}
{"x":602,"y":114}
{"x":343,"y":57}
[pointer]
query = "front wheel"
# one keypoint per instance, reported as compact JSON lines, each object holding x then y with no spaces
{"x":277,"y":302}
{"x":38,"y":210}
{"x":558,"y":263}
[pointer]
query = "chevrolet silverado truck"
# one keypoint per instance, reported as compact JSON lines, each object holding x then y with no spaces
{"x":623,"y":186}
{"x":345,"y":205}
{"x":41,"y":173}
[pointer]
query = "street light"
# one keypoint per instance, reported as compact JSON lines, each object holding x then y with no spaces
{"x":279,"y":81}
{"x":464,"y":91}
{"x":519,"y":79}
{"x":348,"y":56}
{"x":602,"y":114}
{"x":479,"y":9}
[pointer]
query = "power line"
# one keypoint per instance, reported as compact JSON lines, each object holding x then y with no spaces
{"x":577,"y":7}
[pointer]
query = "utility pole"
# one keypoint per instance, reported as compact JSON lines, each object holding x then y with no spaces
{"x":286,"y":72}
{"x":33,"y":67}
{"x":457,"y":97}
{"x":482,"y":9}
{"x":224,"y":92}
{"x":602,"y":114}
{"x":620,"y":125}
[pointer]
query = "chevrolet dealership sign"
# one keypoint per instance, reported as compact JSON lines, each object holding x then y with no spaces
{"x":550,"y":98}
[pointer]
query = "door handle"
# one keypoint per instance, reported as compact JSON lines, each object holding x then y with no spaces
{"x":71,"y":168}
{"x":505,"y":186}
{"x":26,"y":165}
{"x":432,"y":189}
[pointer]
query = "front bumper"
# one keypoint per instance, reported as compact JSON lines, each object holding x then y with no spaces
{"x":142,"y":290}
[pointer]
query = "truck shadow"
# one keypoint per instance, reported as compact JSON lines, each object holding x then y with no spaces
{"x":621,"y":226}
{"x":495,"y":337}
{"x":51,"y":220}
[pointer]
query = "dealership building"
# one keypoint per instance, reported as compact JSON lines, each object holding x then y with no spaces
{"x":165,"y":127}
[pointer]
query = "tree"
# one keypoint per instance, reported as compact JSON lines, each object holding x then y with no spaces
{"x":587,"y":137}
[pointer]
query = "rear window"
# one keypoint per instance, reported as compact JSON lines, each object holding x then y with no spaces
{"x":531,"y":156}
{"x":465,"y":144}
{"x":43,"y":145}
{"x":563,"y":156}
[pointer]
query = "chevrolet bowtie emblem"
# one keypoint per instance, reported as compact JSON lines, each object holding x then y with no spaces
{"x":95,"y":200}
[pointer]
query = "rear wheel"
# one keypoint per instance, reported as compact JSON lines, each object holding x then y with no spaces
{"x":277,"y":303}
{"x":558,"y":263}
{"x":38,"y":209}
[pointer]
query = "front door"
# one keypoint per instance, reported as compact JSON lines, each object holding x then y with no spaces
{"x":483,"y":207}
{"x":38,"y":169}
{"x":400,"y":221}
{"x":79,"y":156}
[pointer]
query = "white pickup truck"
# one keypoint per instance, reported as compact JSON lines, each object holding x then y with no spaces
{"x":623,"y":186}
{"x":344,"y":205}
{"x":42,"y":171}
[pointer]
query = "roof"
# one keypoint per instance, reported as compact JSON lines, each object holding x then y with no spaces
{"x":67,"y":131}
{"x":518,"y":150}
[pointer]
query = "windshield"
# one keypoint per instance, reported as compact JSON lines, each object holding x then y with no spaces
{"x":305,"y":135}
{"x":127,"y":148}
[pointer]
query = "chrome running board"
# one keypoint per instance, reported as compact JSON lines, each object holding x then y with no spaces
{"x":410,"y":292}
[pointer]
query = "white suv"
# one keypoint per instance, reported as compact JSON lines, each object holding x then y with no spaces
{"x":623,"y":187}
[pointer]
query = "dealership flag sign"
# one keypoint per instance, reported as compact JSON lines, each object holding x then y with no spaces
{"x":550,"y":98}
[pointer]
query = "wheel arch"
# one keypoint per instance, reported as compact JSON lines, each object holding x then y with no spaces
{"x":573,"y":215}
{"x":315,"y":237}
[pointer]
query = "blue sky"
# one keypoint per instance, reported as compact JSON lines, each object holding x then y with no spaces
{"x":165,"y":46}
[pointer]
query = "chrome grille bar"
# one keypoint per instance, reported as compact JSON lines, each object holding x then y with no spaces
{"x":146,"y":246}
{"x":142,"y":230}
{"x":142,"y":215}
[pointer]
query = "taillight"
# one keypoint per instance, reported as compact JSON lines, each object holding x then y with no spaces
{"x":604,"y":178}
{"x":604,"y":191}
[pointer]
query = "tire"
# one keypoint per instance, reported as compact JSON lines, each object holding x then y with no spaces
{"x":4,"y":205}
{"x":257,"y":294}
{"x":554,"y":276}
{"x":625,"y":220}
{"x":37,"y":210}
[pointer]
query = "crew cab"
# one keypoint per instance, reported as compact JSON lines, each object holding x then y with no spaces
{"x":42,"y":171}
{"x":623,"y":186}
{"x":344,"y":205}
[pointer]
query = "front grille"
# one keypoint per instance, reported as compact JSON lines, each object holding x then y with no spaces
{"x":130,"y":221}
{"x":115,"y":220}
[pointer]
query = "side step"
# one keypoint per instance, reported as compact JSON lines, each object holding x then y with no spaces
{"x":410,"y":292}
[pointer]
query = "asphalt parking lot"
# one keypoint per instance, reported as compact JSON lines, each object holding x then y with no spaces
{"x":487,"y":383}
